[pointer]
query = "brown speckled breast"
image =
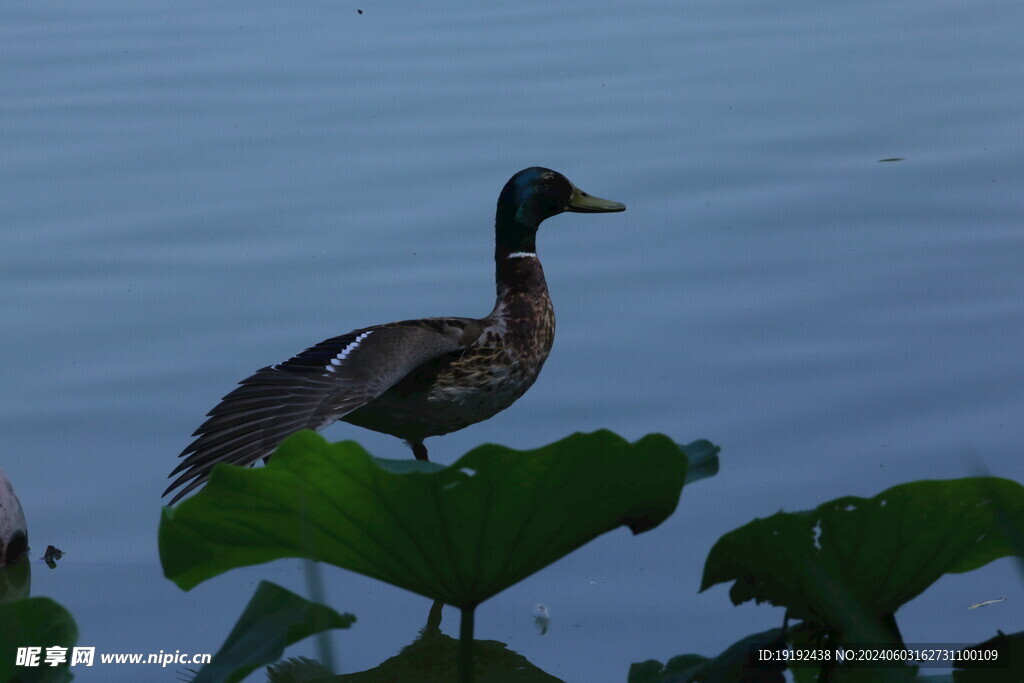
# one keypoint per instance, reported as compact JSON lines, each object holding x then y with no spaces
{"x":466,"y":387}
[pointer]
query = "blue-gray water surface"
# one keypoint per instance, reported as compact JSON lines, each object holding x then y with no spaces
{"x":193,"y":190}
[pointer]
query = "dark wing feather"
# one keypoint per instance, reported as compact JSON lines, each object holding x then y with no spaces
{"x":312,"y":390}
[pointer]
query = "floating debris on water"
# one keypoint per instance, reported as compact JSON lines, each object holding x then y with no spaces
{"x":986,"y":603}
{"x":541,"y":618}
{"x":51,"y":556}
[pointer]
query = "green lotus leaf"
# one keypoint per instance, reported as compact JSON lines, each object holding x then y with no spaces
{"x":35,"y":622}
{"x":433,"y":657}
{"x":736,"y":663}
{"x":849,"y":564}
{"x":274,"y":619}
{"x":459,"y":534}
{"x":1008,"y":665}
{"x":702,"y":458}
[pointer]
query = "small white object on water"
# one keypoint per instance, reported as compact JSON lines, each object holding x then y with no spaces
{"x":986,"y":603}
{"x":13,"y":529}
{"x":541,"y":618}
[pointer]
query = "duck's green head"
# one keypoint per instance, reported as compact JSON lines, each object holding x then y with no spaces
{"x":535,"y":194}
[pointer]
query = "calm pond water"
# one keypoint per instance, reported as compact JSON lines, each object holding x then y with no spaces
{"x":193,"y":190}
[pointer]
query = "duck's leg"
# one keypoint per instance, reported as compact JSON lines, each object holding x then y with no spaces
{"x":434,"y":618}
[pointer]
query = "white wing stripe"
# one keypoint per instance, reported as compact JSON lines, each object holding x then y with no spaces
{"x":343,"y":354}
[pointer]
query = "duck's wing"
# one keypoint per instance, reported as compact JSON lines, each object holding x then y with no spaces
{"x":313,"y":389}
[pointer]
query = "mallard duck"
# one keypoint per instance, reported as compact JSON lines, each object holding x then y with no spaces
{"x":415,"y":378}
